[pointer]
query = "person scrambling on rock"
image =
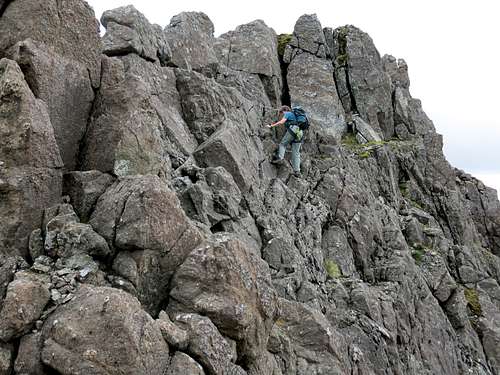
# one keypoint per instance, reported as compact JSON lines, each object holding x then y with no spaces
{"x":295,"y":121}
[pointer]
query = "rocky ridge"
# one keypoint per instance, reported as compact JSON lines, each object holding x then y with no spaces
{"x":144,"y":230}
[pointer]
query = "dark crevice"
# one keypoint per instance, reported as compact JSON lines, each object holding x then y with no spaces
{"x":285,"y":91}
{"x":354,"y":107}
{"x":79,"y":165}
{"x":3,"y":8}
{"x":128,"y":51}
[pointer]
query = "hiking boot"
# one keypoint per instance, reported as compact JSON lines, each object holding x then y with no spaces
{"x":297,"y":174}
{"x":277,"y":161}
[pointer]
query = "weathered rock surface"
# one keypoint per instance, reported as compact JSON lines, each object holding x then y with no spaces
{"x":70,"y":29}
{"x":24,"y":302}
{"x":30,"y":176}
{"x":206,"y":343}
{"x":84,"y":189}
{"x":380,"y":258}
{"x":110,"y":335}
{"x":231,"y":285}
{"x":140,"y":217}
{"x":182,"y":364}
{"x":308,"y":36}
{"x":252,"y":49}
{"x":128,"y":31}
{"x":136,"y":126}
{"x":365,"y":86}
{"x":191,"y":37}
{"x":6,"y":354}
{"x":64,"y":85}
{"x":311,"y":85}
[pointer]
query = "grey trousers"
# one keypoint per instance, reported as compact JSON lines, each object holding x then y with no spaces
{"x":285,"y":141}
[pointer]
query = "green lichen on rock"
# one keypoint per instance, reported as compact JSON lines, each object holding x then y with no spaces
{"x":342,"y":56}
{"x":403,"y":188}
{"x":332,"y":269}
{"x":418,"y":252}
{"x":283,"y":40}
{"x":365,"y":154}
{"x":472,"y":299}
{"x":349,"y":140}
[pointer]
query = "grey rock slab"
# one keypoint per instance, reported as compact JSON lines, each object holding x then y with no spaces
{"x":308,"y":36}
{"x":182,"y":364}
{"x":128,"y":31}
{"x":225,"y":281}
{"x":175,"y":336}
{"x":30,"y":176}
{"x":28,"y":360}
{"x":311,"y":86}
{"x":253,"y":48}
{"x":366,"y":130}
{"x":368,"y":85}
{"x":137,"y":125}
{"x":206,"y":343}
{"x":140,"y":214}
{"x":24,"y":302}
{"x":64,"y":85}
{"x":69,"y":28}
{"x":191,"y":38}
{"x":110,"y":335}
{"x":397,"y":70}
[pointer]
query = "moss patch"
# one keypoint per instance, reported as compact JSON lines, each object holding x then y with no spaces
{"x":283,"y":40}
{"x":365,"y":154}
{"x":473,"y":301}
{"x":349,"y":140}
{"x":418,"y":252}
{"x":332,"y":269}
{"x":403,"y":188}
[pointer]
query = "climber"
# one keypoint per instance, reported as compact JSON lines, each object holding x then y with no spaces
{"x":294,"y":135}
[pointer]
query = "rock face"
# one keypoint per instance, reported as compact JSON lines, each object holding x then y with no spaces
{"x":230,"y":285}
{"x":251,"y":50}
{"x":128,"y":31}
{"x":112,"y":335}
{"x":30,"y":176}
{"x":191,"y":37}
{"x":365,"y":86}
{"x":145,"y":231}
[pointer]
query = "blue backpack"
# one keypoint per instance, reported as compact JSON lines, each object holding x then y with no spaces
{"x":301,"y":117}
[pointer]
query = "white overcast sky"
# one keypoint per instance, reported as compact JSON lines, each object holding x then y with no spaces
{"x":452,"y":49}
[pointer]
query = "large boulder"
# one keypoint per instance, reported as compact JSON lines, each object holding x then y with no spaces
{"x":137,"y":125}
{"x":65,"y":237}
{"x":252,"y":48}
{"x":30,"y":176}
{"x":182,"y":364}
{"x":191,"y":37}
{"x":26,"y":298}
{"x":303,"y":337}
{"x":142,"y":219}
{"x":69,"y":28}
{"x":103,"y":331}
{"x":64,"y":85}
{"x":225,"y":281}
{"x":312,"y":86}
{"x":206,"y":344}
{"x":308,"y":36}
{"x":128,"y":31}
